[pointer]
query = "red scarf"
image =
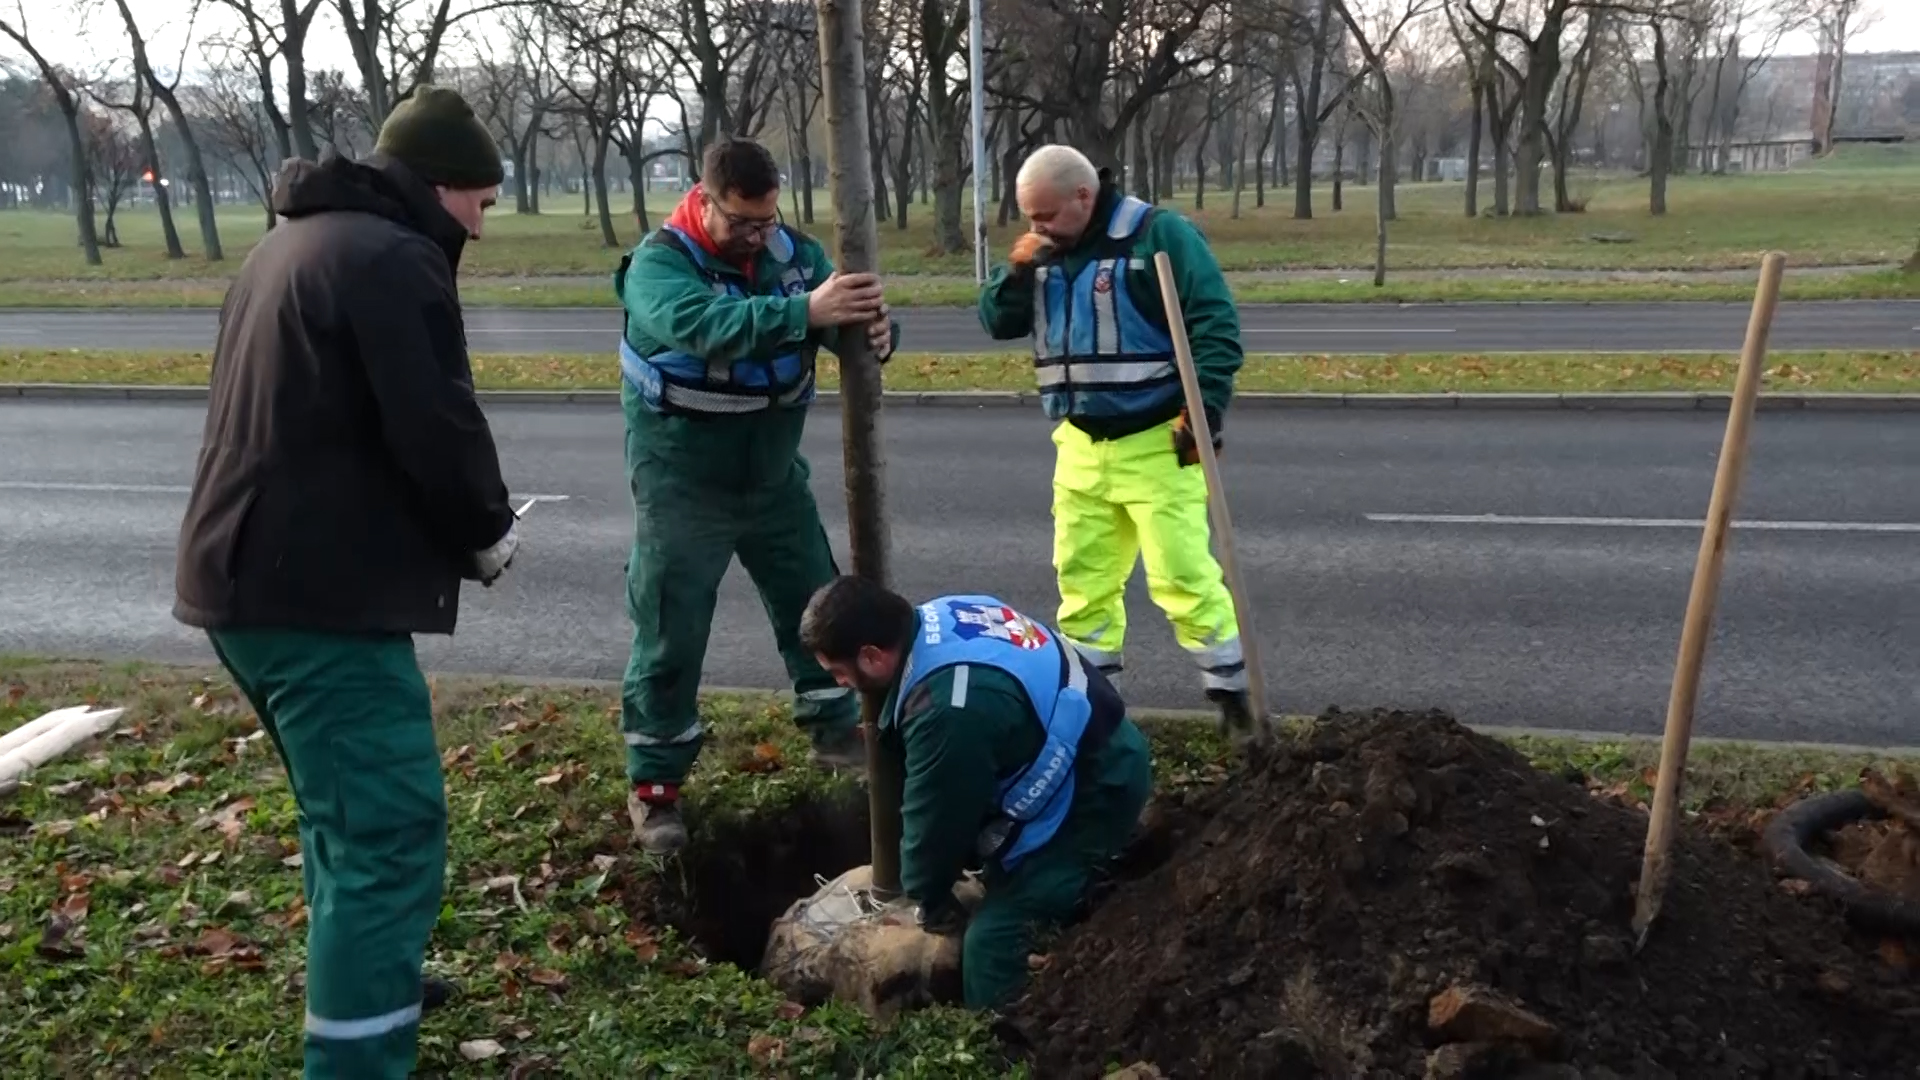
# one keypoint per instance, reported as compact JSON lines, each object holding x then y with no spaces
{"x":690,"y":217}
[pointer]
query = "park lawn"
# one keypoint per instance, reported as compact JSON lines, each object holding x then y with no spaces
{"x":1859,"y":208}
{"x":1787,"y":372}
{"x":907,"y":290}
{"x":151,"y":918}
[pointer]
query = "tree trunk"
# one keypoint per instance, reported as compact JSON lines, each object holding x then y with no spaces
{"x":946,"y":141}
{"x":608,"y":238}
{"x":1142,"y":161}
{"x":293,"y":53}
{"x":1383,"y":213}
{"x":1473,"y":149}
{"x":160,"y":200}
{"x":1274,"y":118}
{"x":1303,"y":164}
{"x":82,"y":180}
{"x":637,"y":176}
{"x":1239,"y":167}
{"x":1660,"y":158}
{"x":1339,"y":168}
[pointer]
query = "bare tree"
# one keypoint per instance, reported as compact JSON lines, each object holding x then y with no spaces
{"x":1767,"y":21}
{"x":1838,"y":22}
{"x":169,"y":95}
{"x":1094,"y":68}
{"x":1376,"y":32}
{"x":138,"y":104}
{"x":397,"y":43}
{"x":514,"y":94}
{"x":66,"y":90}
{"x":114,"y":160}
{"x":238,"y":128}
{"x":278,"y":29}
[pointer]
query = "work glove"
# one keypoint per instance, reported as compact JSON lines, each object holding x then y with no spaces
{"x":1031,"y":249}
{"x":1185,"y":446}
{"x":492,"y":562}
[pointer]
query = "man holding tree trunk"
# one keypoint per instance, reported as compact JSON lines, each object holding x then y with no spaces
{"x":726,"y":309}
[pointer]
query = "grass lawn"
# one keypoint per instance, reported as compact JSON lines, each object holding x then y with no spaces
{"x":1860,"y":208}
{"x":151,"y":917}
{"x":1854,"y":372}
{"x":906,"y":290}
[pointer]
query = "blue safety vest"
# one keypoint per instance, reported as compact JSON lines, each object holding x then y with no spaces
{"x":1096,"y":355}
{"x":1077,"y":707}
{"x":672,"y":382}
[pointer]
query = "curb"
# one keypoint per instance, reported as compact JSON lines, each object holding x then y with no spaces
{"x":1670,"y":401}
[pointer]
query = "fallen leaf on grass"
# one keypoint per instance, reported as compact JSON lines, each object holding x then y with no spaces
{"x":548,"y":978}
{"x":66,"y":789}
{"x":766,"y":758}
{"x":228,"y":819}
{"x":685,"y":968}
{"x":766,"y":1050}
{"x":169,"y":875}
{"x":457,"y":755}
{"x":790,"y":1010}
{"x":217,"y":941}
{"x":61,"y":941}
{"x":15,"y":692}
{"x":73,"y":908}
{"x":55,"y":829}
{"x":640,"y":940}
{"x":6,"y":931}
{"x":481,"y":1049}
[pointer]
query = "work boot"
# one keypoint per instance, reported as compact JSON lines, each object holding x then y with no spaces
{"x":434,"y":992}
{"x":657,"y":825}
{"x":842,"y":750}
{"x":1236,"y":713}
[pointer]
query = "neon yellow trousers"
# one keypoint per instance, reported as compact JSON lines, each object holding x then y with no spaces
{"x":1124,"y":500}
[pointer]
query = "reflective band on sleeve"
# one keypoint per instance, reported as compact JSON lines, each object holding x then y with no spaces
{"x":959,"y":699}
{"x":370,"y":1028}
{"x":834,"y":694}
{"x":692,"y":732}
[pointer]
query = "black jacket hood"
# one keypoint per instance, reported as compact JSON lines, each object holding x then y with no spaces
{"x":377,"y":184}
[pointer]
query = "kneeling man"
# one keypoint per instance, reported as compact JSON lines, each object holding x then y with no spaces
{"x":1018,"y":757}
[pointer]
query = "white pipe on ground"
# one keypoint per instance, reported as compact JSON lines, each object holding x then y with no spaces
{"x":50,"y":744}
{"x":32,"y":729}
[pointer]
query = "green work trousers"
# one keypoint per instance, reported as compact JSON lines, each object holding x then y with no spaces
{"x":1043,"y":891}
{"x":352,"y":720}
{"x":705,"y":491}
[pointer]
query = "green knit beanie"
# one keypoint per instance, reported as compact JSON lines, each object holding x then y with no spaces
{"x":433,"y":132}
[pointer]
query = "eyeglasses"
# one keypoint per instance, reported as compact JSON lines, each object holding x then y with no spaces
{"x":747,"y":226}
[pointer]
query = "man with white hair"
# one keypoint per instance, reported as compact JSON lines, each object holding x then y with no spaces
{"x":1082,"y":284}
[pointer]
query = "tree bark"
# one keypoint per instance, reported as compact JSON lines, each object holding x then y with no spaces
{"x":602,"y":140}
{"x":1660,"y":158}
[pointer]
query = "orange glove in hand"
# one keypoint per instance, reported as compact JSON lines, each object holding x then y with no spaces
{"x":1185,"y":446}
{"x":1029,"y":249}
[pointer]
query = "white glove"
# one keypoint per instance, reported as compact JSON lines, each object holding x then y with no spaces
{"x":491,"y":562}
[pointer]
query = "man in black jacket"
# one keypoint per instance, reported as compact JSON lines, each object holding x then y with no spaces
{"x":347,"y":483}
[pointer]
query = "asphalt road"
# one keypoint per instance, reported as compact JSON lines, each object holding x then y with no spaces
{"x":1294,"y":328}
{"x":1564,"y":613}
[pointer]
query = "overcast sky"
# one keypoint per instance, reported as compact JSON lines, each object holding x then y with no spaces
{"x":97,"y":36}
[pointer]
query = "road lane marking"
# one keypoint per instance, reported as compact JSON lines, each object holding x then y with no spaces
{"x":1645,"y":523}
{"x":155,"y":489}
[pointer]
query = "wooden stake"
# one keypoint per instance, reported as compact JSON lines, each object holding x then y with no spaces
{"x":1707,"y":568}
{"x":1216,"y":490}
{"x":850,"y":175}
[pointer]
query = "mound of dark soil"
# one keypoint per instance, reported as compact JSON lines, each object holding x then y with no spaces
{"x":1308,"y":912}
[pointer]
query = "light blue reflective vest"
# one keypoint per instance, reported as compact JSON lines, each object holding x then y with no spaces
{"x":1096,"y":356}
{"x":672,"y":382}
{"x":964,"y":629}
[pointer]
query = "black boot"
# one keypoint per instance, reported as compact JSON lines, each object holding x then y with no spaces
{"x":434,"y":992}
{"x":1236,"y":713}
